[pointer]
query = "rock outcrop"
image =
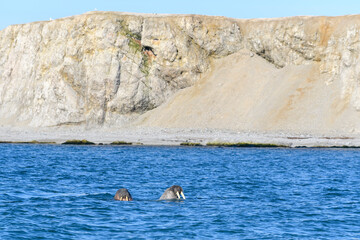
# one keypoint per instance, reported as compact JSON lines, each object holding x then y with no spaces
{"x":103,"y":68}
{"x":107,"y":68}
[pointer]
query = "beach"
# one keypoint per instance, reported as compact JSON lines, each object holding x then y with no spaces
{"x":167,"y":136}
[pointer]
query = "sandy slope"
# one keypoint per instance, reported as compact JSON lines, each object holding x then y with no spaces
{"x":246,"y":93}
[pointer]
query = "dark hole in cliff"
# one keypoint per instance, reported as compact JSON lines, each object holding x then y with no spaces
{"x":148,"y":49}
{"x":266,"y":55}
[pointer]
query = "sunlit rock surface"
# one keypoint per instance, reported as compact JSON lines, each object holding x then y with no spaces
{"x":297,"y":75}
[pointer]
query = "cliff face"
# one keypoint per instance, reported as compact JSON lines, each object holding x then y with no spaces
{"x":332,"y":42}
{"x":104,"y":68}
{"x":294,"y":75}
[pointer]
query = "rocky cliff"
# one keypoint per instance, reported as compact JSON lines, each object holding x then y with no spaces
{"x":103,"y":67}
{"x":107,"y":68}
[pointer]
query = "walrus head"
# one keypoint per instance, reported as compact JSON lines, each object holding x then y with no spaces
{"x":123,"y":195}
{"x":173,"y":192}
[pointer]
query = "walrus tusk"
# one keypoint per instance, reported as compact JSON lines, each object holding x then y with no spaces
{"x":123,"y":195}
{"x":182,"y":194}
{"x":172,"y":192}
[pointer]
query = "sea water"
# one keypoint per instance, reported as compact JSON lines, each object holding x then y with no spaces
{"x":66,"y":192}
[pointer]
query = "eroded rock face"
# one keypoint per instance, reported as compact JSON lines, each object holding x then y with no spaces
{"x":104,"y":67}
{"x":333,"y":42}
{"x":107,"y":68}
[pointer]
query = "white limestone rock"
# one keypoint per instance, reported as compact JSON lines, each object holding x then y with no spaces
{"x":107,"y":68}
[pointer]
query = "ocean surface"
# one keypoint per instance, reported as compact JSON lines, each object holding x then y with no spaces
{"x":66,"y":192}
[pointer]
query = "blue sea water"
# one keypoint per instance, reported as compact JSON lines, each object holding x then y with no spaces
{"x":66,"y":192}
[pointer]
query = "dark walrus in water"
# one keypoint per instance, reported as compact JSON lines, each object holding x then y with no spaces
{"x":173,"y":193}
{"x":123,"y":195}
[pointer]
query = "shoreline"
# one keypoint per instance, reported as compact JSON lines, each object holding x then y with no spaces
{"x":141,"y":136}
{"x":257,"y":145}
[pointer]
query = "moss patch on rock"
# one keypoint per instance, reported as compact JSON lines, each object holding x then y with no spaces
{"x":78,"y":142}
{"x":190,"y":144}
{"x":120,"y":143}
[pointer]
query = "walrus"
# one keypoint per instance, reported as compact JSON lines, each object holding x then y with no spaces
{"x":173,"y":193}
{"x":123,"y":195}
